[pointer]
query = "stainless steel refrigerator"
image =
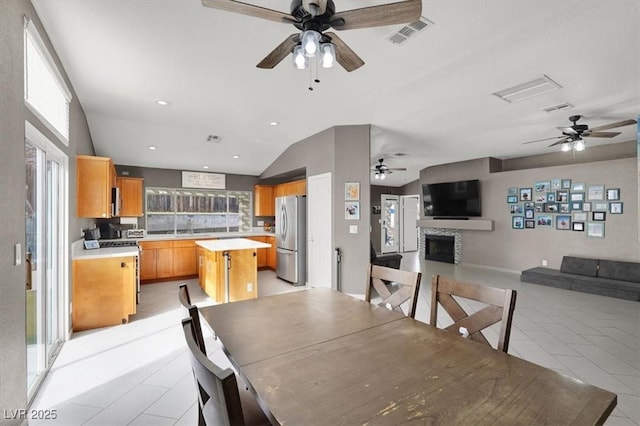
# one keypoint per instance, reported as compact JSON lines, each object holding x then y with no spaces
{"x":291,"y":239}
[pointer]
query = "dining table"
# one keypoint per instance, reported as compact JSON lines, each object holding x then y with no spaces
{"x":321,"y":357}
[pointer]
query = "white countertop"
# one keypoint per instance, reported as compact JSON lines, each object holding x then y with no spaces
{"x":78,"y":252}
{"x":231,"y":244}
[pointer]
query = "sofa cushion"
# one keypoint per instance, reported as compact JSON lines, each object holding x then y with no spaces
{"x":607,"y":287}
{"x":617,"y":270}
{"x":579,"y":266}
{"x":546,"y":276}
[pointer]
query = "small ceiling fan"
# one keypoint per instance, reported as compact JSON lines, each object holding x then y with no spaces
{"x":576,"y":132}
{"x":381,"y":169}
{"x":314,"y":18}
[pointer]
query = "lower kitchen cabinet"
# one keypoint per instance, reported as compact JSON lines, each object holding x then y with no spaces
{"x":161,"y":260}
{"x":185,"y":259}
{"x":243,"y":270}
{"x":104,"y":292}
{"x":261,"y":252}
{"x":271,"y":252}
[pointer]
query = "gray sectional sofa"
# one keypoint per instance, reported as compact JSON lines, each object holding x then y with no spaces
{"x":611,"y":278}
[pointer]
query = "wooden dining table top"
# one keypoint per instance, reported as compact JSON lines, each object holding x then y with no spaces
{"x":320,"y":357}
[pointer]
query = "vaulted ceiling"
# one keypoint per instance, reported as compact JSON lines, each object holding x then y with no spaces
{"x":430,"y":97}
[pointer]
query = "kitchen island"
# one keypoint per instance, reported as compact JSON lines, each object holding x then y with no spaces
{"x":230,"y":269}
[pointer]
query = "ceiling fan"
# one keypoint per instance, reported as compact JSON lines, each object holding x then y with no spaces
{"x":314,"y":18}
{"x":574,"y":133}
{"x":381,"y":169}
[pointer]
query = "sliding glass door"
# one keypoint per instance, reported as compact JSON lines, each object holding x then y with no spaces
{"x":45,"y":257}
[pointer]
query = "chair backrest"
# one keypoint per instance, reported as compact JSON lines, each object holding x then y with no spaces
{"x":183,"y":296}
{"x":500,"y":305}
{"x":403,"y":287}
{"x":217,"y":388}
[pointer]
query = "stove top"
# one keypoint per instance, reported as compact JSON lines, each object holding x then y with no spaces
{"x":109,"y":244}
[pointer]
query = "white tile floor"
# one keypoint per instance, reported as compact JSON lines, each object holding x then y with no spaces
{"x":138,"y":373}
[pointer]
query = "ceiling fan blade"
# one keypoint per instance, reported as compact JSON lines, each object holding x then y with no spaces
{"x":315,"y":7}
{"x":377,"y":16}
{"x":614,"y":125}
{"x":279,"y":53}
{"x":398,"y":169}
{"x":250,"y":10}
{"x":601,"y":134}
{"x":545,"y":139}
{"x":563,"y":140}
{"x":344,"y":55}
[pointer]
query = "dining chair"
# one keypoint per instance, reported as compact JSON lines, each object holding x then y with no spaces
{"x":500,"y":305}
{"x":183,"y":295}
{"x":220,"y":401}
{"x":395,"y":287}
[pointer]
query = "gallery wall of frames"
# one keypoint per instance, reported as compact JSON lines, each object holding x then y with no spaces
{"x":564,"y":205}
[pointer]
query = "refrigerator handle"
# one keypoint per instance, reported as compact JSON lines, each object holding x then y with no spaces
{"x":283,"y":227}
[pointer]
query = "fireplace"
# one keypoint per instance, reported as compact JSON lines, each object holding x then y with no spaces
{"x":440,"y":248}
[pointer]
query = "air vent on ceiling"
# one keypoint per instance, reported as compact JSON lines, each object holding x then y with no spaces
{"x":214,"y":138}
{"x":404,"y":33}
{"x":559,"y":107}
{"x":527,"y":90}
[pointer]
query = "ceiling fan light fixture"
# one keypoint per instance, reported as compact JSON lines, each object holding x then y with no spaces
{"x":579,"y":145}
{"x":299,"y":60}
{"x":310,"y":43}
{"x":566,"y":146}
{"x":382,"y":176}
{"x":327,"y":54}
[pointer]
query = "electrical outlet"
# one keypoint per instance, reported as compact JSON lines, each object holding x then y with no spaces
{"x":249,"y":287}
{"x":544,"y":262}
{"x":261,"y":223}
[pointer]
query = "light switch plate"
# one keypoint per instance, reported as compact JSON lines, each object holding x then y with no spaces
{"x":18,"y":254}
{"x":353,"y":229}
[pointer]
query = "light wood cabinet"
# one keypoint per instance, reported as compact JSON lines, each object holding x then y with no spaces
{"x":95,"y":177}
{"x":243,"y":272}
{"x":264,"y":201}
{"x":262,"y":253}
{"x":185,"y":259}
{"x":104,"y":292}
{"x":156,"y":260}
{"x":271,"y":252}
{"x":131,"y":196}
{"x":297,"y":187}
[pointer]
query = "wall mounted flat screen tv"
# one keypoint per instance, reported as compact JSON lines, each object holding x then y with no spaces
{"x":452,"y":199}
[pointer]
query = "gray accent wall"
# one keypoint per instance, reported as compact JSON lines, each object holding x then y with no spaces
{"x":515,"y":249}
{"x":342,"y":151}
{"x":13,"y":113}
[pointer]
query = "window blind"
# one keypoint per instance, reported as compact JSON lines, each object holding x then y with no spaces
{"x":45,"y":91}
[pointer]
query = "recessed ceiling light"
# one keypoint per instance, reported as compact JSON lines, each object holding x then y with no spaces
{"x":236,"y":156}
{"x":273,"y":123}
{"x":163,"y":103}
{"x":205,"y":167}
{"x":152,"y":147}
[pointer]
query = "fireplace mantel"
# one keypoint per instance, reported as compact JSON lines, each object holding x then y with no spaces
{"x":471,"y":224}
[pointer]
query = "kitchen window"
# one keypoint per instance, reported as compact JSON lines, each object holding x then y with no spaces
{"x":185,"y":211}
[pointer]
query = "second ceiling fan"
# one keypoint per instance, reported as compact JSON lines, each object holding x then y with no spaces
{"x":381,"y":169}
{"x":314,"y":18}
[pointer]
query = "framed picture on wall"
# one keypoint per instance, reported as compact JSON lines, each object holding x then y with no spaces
{"x":577,"y":187}
{"x":600,"y":207}
{"x":566,"y":184}
{"x":599,"y":216}
{"x":595,"y":229}
{"x":615,"y":208}
{"x":577,"y":196}
{"x":512,"y":191}
{"x":516,"y":209}
{"x":595,"y":192}
{"x":528,"y":213}
{"x":562,"y":196}
{"x":613,"y":194}
{"x":580,"y":216}
{"x":563,"y":208}
{"x":586,"y":207}
{"x":563,"y":222}
{"x":556,"y":184}
{"x":577,"y":226}
{"x":525,"y":194}
{"x":512,"y":199}
{"x":529,"y":224}
{"x":543,"y":220}
{"x":352,"y":191}
{"x":551,"y":197}
{"x":576,"y":205}
{"x":517,"y":222}
{"x":352,"y":210}
{"x":542,"y":186}
{"x":541,"y":198}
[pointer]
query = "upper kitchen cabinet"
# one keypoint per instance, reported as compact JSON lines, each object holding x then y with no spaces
{"x":297,"y":187}
{"x":131,"y":196}
{"x":95,"y":179}
{"x":264,"y":203}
